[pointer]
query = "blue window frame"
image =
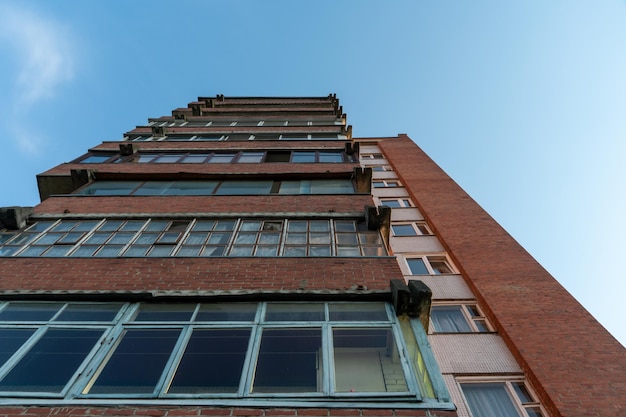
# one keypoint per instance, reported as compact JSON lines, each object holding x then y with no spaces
{"x":316,"y":351}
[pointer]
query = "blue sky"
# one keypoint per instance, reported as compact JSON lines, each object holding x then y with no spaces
{"x":522,"y":103}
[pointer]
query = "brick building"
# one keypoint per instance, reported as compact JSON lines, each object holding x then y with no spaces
{"x":247,"y":256}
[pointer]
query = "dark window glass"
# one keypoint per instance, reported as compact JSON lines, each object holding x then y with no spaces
{"x":11,"y":340}
{"x":331,"y":157}
{"x":277,"y":156}
{"x":357,"y":312}
{"x":288,"y":361}
{"x":227,"y":312}
{"x":169,"y":312}
{"x":417,"y":266}
{"x":244,"y":187}
{"x":95,"y":159}
{"x":137,"y":363}
{"x":29,"y":311}
{"x":212,"y":362}
{"x":51,"y":362}
{"x":294,"y":312}
{"x":89,"y":312}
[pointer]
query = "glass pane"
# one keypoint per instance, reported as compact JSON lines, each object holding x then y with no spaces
{"x":332,"y":187}
{"x":449,"y":319}
{"x":367,"y":360}
{"x":390,"y":203}
{"x":213,"y":251}
{"x":89,"y":312}
{"x":212,"y":362}
{"x":137,"y":363}
{"x":297,"y":226}
{"x":194,"y":159}
{"x":522,"y":392}
{"x":165,"y":312}
{"x":319,"y":225}
{"x":57,"y":251}
{"x":440,"y":266}
{"x":288,"y":361}
{"x":191,"y":188}
{"x":250,"y":225}
{"x":357,"y":312}
{"x":319,"y":251}
{"x":29,"y":311}
{"x":417,"y":266}
{"x":251,"y":157}
{"x":94,"y":159}
{"x":109,"y":188}
{"x":224,"y":225}
{"x":227,"y":312}
{"x":331,"y":157}
{"x":403,"y":230}
{"x":303,"y":157}
{"x":266,"y":251}
{"x":294,"y":312}
{"x":203,"y":225}
{"x":489,"y":400}
{"x":11,"y":340}
{"x":348,"y":251}
{"x":345,"y":239}
{"x":217,"y":238}
{"x":345,"y":226}
{"x":294,"y":251}
{"x":221,"y":158}
{"x":51,"y":362}
{"x":233,"y":187}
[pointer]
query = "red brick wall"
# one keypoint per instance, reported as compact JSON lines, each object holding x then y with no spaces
{"x":578,"y":368}
{"x":214,"y":411}
{"x":206,"y":204}
{"x":196,"y":274}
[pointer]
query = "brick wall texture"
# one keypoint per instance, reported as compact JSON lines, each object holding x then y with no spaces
{"x":577,"y":367}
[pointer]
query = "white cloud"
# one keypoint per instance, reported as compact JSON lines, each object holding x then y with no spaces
{"x":42,"y":54}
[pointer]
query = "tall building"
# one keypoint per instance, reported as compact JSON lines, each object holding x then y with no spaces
{"x":247,"y":256}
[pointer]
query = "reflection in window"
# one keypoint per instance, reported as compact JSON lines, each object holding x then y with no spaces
{"x":502,"y":398}
{"x":318,"y":349}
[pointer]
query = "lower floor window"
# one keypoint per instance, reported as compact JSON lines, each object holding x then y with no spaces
{"x":510,"y":398}
{"x":311,"y":350}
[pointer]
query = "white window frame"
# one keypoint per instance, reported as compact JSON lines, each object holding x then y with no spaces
{"x":508,"y":384}
{"x":427,"y":259}
{"x":471,"y":313}
{"x":419,"y":228}
{"x":402,"y":201}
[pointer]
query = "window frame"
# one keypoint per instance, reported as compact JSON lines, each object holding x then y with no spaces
{"x":402,"y":202}
{"x":79,"y":384}
{"x":420,"y":228}
{"x":471,"y":313}
{"x":141,"y":237}
{"x":512,"y":394}
{"x":427,"y":260}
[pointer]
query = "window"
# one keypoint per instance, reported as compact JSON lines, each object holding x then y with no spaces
{"x":372,"y":156}
{"x":424,"y":265}
{"x":380,"y":168}
{"x":396,"y":202}
{"x":410,"y":229}
{"x":385,"y":183}
{"x":458,"y":318}
{"x":96,"y":158}
{"x":303,"y":351}
{"x":226,"y":187}
{"x":241,"y":157}
{"x":510,"y":398}
{"x":193,"y":238}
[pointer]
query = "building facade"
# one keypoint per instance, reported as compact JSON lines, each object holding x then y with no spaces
{"x":248,"y":256}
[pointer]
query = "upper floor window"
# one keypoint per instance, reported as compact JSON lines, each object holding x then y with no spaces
{"x":385,"y":183}
{"x":396,"y":202}
{"x":214,"y":187}
{"x":238,"y":351}
{"x":410,"y":229}
{"x":194,"y":238}
{"x":458,"y":318}
{"x":239,"y":137}
{"x":497,"y":398}
{"x":372,"y":156}
{"x":433,"y":265}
